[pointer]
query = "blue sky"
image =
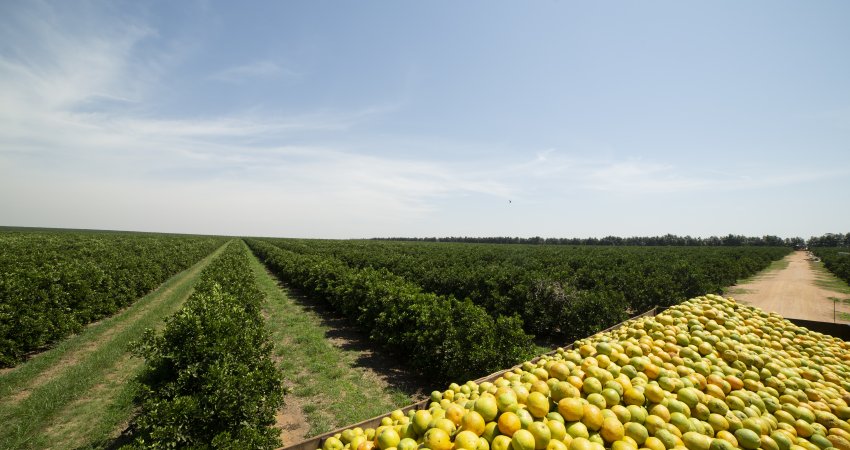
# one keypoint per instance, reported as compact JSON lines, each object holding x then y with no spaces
{"x":361,"y":119}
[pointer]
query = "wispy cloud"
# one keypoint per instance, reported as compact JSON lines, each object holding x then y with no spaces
{"x":558,"y":171}
{"x":257,"y":69}
{"x":641,"y":178}
{"x":51,"y":135}
{"x":51,"y":63}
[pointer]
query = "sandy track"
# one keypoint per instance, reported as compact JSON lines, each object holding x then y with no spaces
{"x":791,"y":292}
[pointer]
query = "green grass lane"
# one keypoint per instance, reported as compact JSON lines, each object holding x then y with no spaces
{"x":330,"y":388}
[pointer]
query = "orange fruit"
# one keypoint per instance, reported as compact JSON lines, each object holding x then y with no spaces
{"x":332,"y":443}
{"x":577,"y":430}
{"x":509,"y":423}
{"x":525,"y":417}
{"x":541,"y":387}
{"x":487,"y":406}
{"x":559,"y":370}
{"x":490,"y":431}
{"x":557,"y":429}
{"x":521,"y":393}
{"x":407,"y":444}
{"x":637,"y":432}
{"x":505,"y":398}
{"x":571,"y":409}
{"x":660,"y":411}
{"x":388,"y":438}
{"x":473,"y":422}
{"x":501,"y":442}
{"x":612,"y":430}
{"x":522,"y":440}
{"x":356,"y":441}
{"x":654,"y":393}
{"x":581,"y":443}
{"x":562,"y":389}
{"x":347,"y":435}
{"x":592,"y":417}
{"x":446,"y":425}
{"x":455,"y":413}
{"x":623,"y":445}
{"x":421,"y":419}
{"x":611,"y":397}
{"x":632,"y":396}
{"x":696,"y":441}
{"x":466,"y":440}
{"x":538,"y":404}
{"x":653,"y":443}
{"x":555,"y":444}
{"x":436,"y":439}
{"x":591,"y":385}
{"x":542,"y":435}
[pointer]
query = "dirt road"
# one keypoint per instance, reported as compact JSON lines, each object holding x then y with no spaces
{"x":793,"y":292}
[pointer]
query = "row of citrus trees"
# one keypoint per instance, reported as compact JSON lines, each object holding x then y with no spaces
{"x":559,"y":292}
{"x":52,"y":283}
{"x":836,"y":260}
{"x":209,"y":379}
{"x":834,"y":250}
{"x":438,"y":335}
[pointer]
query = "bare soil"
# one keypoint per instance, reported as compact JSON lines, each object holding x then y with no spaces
{"x":292,"y":421}
{"x":792,"y":292}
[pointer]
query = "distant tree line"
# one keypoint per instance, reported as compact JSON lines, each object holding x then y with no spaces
{"x":731,"y":240}
{"x":830,"y":240}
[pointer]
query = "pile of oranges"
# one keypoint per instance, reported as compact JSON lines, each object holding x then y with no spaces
{"x":708,"y":374}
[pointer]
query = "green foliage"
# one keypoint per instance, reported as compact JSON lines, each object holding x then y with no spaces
{"x":558,"y":291}
{"x":439,"y":335}
{"x":55,"y":282}
{"x":559,"y":309}
{"x":209,"y":380}
{"x":834,"y":250}
{"x":836,"y":260}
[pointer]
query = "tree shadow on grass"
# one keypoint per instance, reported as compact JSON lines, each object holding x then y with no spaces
{"x":125,"y":438}
{"x":341,"y":333}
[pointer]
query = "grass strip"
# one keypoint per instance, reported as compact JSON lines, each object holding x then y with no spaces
{"x":334,"y":390}
{"x":22,"y":423}
{"x":827,"y":280}
{"x":773,"y":267}
{"x":93,"y":420}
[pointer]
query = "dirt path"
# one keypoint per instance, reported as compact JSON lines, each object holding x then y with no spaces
{"x":795,"y":291}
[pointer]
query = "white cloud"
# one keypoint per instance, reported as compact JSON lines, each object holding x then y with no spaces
{"x":47,"y":140}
